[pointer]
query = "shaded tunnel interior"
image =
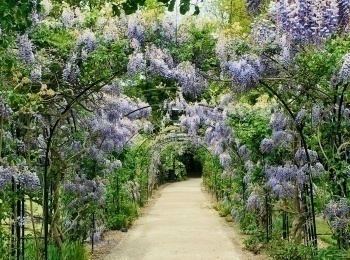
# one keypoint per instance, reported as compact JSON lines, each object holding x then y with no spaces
{"x":193,"y":166}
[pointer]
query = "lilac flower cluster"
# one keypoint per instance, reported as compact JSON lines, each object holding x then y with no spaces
{"x":71,"y":72}
{"x":27,"y":180}
{"x":191,"y":81}
{"x":267,"y":146}
{"x":344,"y":74}
{"x":306,"y":20}
{"x":337,"y":215}
{"x":87,"y":41}
{"x":300,"y":117}
{"x":161,"y":62}
{"x":278,"y":121}
{"x":281,"y":179}
{"x":301,"y":157}
{"x":244,"y":152}
{"x":83,"y":190}
{"x":136,"y":63}
{"x":25,"y":49}
{"x":245,"y":72}
{"x":256,"y":203}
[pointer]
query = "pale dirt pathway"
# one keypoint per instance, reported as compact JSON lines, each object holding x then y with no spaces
{"x":180,"y":225}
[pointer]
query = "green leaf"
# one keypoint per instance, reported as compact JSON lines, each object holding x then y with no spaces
{"x":196,"y":10}
{"x":116,"y":10}
{"x":184,"y":6}
{"x":142,"y":2}
{"x":171,"y":5}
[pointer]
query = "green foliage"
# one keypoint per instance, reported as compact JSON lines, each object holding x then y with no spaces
{"x":4,"y":237}
{"x":121,"y":208}
{"x":200,"y":48}
{"x":232,"y":15}
{"x":15,"y":15}
{"x":331,"y":253}
{"x":58,"y":40}
{"x":70,"y":250}
{"x":317,"y":65}
{"x":255,"y":243}
{"x":251,"y":126}
{"x":224,"y":209}
{"x":285,"y":250}
{"x":128,"y":212}
{"x":107,"y":62}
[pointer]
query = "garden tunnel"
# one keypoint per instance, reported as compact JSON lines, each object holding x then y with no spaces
{"x":187,"y":152}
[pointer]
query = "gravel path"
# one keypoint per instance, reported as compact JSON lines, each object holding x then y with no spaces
{"x":180,"y":225}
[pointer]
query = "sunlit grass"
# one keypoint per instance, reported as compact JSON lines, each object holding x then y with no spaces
{"x":325,"y":233}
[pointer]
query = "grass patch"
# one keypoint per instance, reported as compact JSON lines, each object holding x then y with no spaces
{"x":325,"y":233}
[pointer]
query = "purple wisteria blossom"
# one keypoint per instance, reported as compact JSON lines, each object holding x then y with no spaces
{"x":245,"y":72}
{"x":278,"y":121}
{"x":136,"y":64}
{"x":25,"y":49}
{"x":301,"y":157}
{"x":136,"y":29}
{"x":282,"y":138}
{"x":256,"y":203}
{"x":244,"y":152}
{"x":316,"y":114}
{"x":253,"y":6}
{"x":281,"y":179}
{"x":21,"y":175}
{"x":71,"y":72}
{"x":300,"y":117}
{"x":83,"y":190}
{"x":132,"y":189}
{"x":160,"y":62}
{"x":87,"y":41}
{"x":337,"y":215}
{"x":190,"y":80}
{"x":68,"y":17}
{"x":267,"y":146}
{"x":225,"y":160}
{"x":35,"y":74}
{"x":344,"y":74}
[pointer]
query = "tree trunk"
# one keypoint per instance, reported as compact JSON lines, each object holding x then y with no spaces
{"x":299,"y":218}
